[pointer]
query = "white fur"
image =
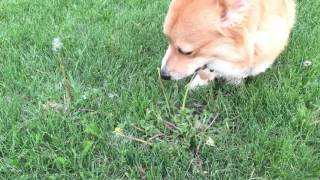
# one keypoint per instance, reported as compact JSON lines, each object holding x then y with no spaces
{"x":166,"y":57}
{"x":259,"y":69}
{"x":197,"y":81}
{"x":227,"y":70}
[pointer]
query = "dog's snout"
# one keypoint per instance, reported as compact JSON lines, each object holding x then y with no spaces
{"x":165,"y":75}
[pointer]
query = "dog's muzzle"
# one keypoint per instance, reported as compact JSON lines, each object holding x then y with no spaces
{"x":165,"y":74}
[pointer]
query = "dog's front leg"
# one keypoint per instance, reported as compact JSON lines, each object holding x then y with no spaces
{"x":203,"y":77}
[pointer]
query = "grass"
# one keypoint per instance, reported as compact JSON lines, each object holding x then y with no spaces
{"x":267,"y":128}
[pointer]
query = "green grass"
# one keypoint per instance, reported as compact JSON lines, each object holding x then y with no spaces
{"x":267,"y":128}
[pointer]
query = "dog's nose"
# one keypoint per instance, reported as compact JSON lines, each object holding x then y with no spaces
{"x":165,"y":75}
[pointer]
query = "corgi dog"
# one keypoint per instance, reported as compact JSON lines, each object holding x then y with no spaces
{"x":230,"y":39}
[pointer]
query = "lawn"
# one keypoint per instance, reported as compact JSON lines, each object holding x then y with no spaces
{"x":123,"y":122}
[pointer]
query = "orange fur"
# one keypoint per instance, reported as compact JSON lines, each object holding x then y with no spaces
{"x":234,"y":38}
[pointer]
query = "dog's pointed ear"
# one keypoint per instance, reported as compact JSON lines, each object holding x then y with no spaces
{"x":233,"y":11}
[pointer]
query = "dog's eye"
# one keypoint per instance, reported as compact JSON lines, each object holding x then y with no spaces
{"x":184,"y":53}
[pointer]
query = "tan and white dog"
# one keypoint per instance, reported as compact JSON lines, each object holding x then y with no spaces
{"x":232,"y":39}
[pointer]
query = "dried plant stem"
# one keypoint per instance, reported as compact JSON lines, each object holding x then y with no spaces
{"x":170,"y":126}
{"x":137,"y":139}
{"x":209,"y":126}
{"x":156,"y":136}
{"x":197,"y":148}
{"x":86,"y":110}
{"x":138,"y":128}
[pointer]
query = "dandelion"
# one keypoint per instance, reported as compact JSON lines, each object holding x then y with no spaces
{"x":307,"y":63}
{"x":210,"y":142}
{"x":57,"y":45}
{"x":112,"y":95}
{"x":118,"y":131}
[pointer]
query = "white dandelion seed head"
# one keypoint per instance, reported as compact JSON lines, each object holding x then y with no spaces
{"x":307,"y":63}
{"x":210,"y":142}
{"x":112,"y":95}
{"x":56,"y":44}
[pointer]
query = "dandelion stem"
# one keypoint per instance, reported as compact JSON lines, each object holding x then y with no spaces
{"x":138,"y":128}
{"x":136,"y":139}
{"x":183,"y":108}
{"x":66,"y":82}
{"x":119,"y":132}
{"x":156,"y":136}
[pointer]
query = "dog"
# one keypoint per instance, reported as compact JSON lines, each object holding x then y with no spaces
{"x":230,"y":39}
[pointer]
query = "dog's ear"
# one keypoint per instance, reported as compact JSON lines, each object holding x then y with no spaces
{"x":233,"y":11}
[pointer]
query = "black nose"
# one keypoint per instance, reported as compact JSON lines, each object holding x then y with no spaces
{"x":165,"y":75}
